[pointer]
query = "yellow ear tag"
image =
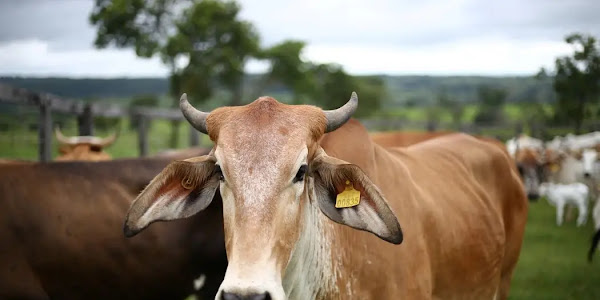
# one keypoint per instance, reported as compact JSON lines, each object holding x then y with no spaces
{"x":554,"y":167}
{"x":348,"y":198}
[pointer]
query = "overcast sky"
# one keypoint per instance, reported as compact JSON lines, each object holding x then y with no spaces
{"x":443,"y":37}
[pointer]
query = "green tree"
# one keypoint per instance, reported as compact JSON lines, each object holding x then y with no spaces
{"x":287,"y":68}
{"x":217,"y":45}
{"x":333,"y":86}
{"x":208,"y":34}
{"x":141,"y":24}
{"x":455,"y":108}
{"x":577,"y":79}
{"x":491,"y":103}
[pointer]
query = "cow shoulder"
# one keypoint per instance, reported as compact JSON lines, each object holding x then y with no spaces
{"x":351,"y":143}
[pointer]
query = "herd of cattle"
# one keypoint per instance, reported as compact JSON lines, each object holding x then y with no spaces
{"x":566,"y":170}
{"x":259,"y":215}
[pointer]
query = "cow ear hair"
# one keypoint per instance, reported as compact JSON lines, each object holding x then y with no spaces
{"x":372,"y":214}
{"x":181,"y":190}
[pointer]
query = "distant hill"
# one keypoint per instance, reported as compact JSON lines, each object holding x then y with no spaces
{"x":92,"y":87}
{"x":402,"y":90}
{"x":425,"y":89}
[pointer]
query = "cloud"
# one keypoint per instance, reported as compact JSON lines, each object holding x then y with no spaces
{"x":36,"y":57}
{"x":378,"y":36}
{"x":61,"y":23}
{"x":465,"y":57}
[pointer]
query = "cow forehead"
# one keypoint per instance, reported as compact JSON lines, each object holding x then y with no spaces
{"x":264,"y":131}
{"x":528,"y":156}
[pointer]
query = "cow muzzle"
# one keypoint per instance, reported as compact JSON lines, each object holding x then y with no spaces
{"x":256,"y":286}
{"x":233,"y":296}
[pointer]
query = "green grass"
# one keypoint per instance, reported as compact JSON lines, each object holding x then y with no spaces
{"x":23,"y":144}
{"x":553,"y":262}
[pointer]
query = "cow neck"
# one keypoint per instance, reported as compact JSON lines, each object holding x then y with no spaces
{"x":312,"y":268}
{"x":569,"y":170}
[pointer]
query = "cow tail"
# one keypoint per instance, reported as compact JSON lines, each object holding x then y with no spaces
{"x":594,"y":245}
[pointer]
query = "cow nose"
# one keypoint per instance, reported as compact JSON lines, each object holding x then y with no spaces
{"x":233,"y":296}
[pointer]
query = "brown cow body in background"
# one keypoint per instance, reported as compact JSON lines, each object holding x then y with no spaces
{"x":407,"y":138}
{"x":61,"y":236}
{"x":404,"y":138}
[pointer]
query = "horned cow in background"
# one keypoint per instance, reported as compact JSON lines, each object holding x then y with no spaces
{"x":90,"y":148}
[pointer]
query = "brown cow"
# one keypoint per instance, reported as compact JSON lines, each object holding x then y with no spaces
{"x":404,"y":138}
{"x":6,"y":161}
{"x":408,"y":138}
{"x":90,"y":148}
{"x":460,"y":201}
{"x":61,"y":236}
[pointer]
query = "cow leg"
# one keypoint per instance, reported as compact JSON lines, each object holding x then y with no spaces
{"x":582,"y":218}
{"x":569,"y":214}
{"x":560,"y":207}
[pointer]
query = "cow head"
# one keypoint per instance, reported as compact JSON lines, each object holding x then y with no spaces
{"x":88,"y":148}
{"x":276,"y":184}
{"x":589,"y":157}
{"x":530,"y":165}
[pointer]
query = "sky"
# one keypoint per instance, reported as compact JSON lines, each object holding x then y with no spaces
{"x":394,"y":37}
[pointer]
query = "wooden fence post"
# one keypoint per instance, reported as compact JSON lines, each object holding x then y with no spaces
{"x":431,"y":126}
{"x":194,"y":137}
{"x":518,"y":129}
{"x":143,"y":135}
{"x":45,"y":131}
{"x":85,"y":121}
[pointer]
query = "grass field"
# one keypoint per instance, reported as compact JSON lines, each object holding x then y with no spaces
{"x":553,"y":262}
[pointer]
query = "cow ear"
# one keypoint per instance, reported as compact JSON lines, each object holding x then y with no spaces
{"x":181,"y":190}
{"x":372,"y":214}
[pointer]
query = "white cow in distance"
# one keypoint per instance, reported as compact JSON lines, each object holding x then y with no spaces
{"x":523,"y":142}
{"x":559,"y":195}
{"x":589,"y":158}
{"x":582,"y":141}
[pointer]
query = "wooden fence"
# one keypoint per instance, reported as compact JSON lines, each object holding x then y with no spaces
{"x":85,"y":113}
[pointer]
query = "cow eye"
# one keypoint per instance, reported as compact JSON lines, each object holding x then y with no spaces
{"x":219,"y":173}
{"x":300,"y":174}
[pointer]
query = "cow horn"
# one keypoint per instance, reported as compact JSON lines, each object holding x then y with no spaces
{"x":107,"y":141}
{"x":61,"y":137}
{"x":195,"y":117}
{"x":337,"y":117}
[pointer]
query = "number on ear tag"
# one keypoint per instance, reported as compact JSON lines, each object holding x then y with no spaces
{"x":348,"y":198}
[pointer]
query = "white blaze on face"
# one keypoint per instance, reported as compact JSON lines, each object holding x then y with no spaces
{"x":261,"y":209}
{"x":310,"y":268}
{"x":590,"y":157}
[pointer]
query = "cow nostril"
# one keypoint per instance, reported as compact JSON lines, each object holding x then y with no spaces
{"x":263,"y":296}
{"x":586,"y":175}
{"x":232,"y":296}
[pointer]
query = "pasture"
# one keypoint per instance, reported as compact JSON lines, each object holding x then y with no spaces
{"x":553,"y":262}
